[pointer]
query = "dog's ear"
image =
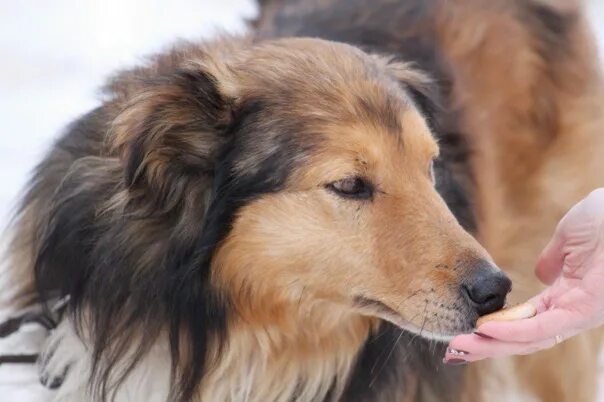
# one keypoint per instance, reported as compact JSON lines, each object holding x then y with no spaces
{"x":422,"y":89}
{"x":560,"y":6}
{"x":170,"y":130}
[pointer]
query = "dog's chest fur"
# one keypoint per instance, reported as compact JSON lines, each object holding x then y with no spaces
{"x":259,"y":364}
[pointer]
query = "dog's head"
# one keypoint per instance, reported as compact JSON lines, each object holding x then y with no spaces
{"x":315,"y":168}
{"x":262,"y":182}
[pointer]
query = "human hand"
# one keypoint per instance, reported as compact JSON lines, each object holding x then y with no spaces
{"x":573,"y":265}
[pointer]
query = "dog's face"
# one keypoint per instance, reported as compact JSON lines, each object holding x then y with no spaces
{"x":357,"y":220}
{"x":360,"y":224}
{"x":323,"y":191}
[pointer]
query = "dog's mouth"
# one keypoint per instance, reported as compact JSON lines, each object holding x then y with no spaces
{"x":376,"y":308}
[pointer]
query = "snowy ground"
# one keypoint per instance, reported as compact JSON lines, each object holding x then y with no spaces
{"x":55,"y":54}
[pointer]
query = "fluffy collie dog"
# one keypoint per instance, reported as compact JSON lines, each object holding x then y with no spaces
{"x":244,"y":222}
{"x":260,"y":219}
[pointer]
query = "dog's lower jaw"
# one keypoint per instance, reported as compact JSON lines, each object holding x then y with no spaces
{"x":421,"y":332}
{"x":381,"y":310}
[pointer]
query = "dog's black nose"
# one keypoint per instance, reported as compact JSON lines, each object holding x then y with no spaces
{"x":485,"y":287}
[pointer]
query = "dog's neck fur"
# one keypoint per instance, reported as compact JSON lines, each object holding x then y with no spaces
{"x":306,"y":355}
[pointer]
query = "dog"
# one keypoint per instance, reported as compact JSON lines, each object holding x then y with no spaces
{"x":253,"y":220}
{"x":521,"y":86}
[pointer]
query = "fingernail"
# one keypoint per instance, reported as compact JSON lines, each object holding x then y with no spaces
{"x":483,"y":335}
{"x":457,"y":352}
{"x":455,"y":362}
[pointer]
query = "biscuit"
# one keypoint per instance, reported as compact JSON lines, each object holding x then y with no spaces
{"x":519,"y":312}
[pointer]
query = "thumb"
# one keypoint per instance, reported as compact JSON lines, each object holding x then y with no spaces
{"x":551,"y":260}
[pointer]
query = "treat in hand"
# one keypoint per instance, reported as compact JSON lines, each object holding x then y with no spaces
{"x":519,"y":312}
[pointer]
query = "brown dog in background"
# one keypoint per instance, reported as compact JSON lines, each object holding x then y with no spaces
{"x":523,"y":120}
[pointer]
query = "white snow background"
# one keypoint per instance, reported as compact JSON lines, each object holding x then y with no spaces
{"x":55,"y":54}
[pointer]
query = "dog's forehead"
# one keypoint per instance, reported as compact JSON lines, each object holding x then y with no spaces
{"x":324,"y":82}
{"x":308,"y":92}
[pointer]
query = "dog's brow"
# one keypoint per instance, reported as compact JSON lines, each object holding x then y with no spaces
{"x":383,"y":111}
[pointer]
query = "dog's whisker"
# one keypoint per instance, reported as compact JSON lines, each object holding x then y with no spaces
{"x":394,"y":345}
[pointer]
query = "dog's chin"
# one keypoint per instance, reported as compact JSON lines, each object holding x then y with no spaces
{"x":420,"y":332}
{"x":380,"y":310}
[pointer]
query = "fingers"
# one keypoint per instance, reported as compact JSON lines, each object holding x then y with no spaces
{"x":574,"y":239}
{"x":472,"y":347}
{"x":543,"y":326}
{"x":551,"y":260}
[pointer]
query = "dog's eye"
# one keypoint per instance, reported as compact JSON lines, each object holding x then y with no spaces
{"x":431,"y":170}
{"x":352,"y":187}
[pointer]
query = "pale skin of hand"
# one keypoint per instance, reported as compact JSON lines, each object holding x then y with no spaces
{"x":572,"y":264}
